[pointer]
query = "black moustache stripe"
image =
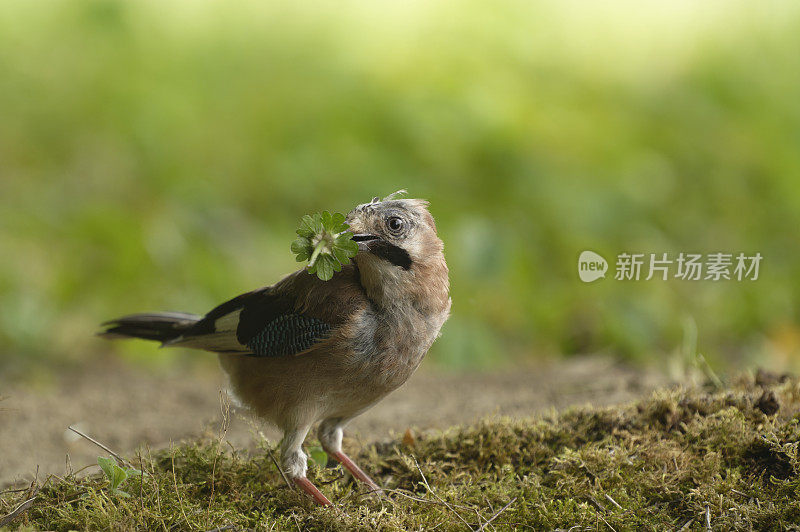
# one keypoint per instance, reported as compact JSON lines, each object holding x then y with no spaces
{"x":395,"y":255}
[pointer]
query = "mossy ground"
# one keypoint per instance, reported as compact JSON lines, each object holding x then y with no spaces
{"x":680,"y":459}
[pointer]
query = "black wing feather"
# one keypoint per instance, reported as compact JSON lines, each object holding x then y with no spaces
{"x":287,"y":335}
{"x":268,"y":326}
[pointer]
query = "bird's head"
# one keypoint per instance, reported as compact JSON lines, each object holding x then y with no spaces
{"x":400,"y":256}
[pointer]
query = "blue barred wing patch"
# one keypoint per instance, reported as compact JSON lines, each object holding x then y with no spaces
{"x":288,"y":334}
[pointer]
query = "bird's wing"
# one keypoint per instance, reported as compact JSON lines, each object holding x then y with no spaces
{"x":284,"y":319}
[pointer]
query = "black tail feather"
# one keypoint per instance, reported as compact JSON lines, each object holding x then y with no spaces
{"x":159,"y":326}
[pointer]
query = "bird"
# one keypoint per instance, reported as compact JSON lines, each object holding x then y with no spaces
{"x":305,"y":352}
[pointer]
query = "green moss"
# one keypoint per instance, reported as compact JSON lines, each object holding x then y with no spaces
{"x":677,"y":457}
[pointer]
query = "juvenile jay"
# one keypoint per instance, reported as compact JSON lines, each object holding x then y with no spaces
{"x":304,"y":351}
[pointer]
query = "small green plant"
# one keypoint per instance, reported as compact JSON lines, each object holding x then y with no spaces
{"x":324,"y":241}
{"x":116,"y":475}
{"x":318,"y":456}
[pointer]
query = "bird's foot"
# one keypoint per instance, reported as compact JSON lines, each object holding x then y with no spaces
{"x":304,"y":484}
{"x":356,"y":471}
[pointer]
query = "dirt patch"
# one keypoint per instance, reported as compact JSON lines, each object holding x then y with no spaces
{"x":125,"y":408}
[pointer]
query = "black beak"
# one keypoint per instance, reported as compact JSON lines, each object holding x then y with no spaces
{"x":365,"y":240}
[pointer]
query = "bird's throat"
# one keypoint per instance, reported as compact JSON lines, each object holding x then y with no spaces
{"x":423,"y":286}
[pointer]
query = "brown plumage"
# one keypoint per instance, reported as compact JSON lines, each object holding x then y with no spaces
{"x":304,"y":351}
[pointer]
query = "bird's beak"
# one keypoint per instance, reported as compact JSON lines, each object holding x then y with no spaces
{"x":365,"y":241}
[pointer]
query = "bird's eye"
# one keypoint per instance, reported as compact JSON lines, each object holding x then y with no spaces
{"x":394,"y":224}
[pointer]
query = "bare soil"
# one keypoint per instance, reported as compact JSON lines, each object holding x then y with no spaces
{"x":125,"y":408}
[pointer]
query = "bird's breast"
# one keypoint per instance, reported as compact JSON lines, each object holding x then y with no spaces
{"x":391,"y":343}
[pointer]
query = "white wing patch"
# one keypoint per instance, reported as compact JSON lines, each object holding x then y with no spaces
{"x":228,"y":322}
{"x":223,"y":339}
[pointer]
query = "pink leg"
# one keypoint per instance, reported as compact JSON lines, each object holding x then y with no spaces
{"x":304,"y":484}
{"x":357,"y":472}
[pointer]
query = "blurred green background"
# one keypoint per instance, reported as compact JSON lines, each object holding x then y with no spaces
{"x":158,"y":156}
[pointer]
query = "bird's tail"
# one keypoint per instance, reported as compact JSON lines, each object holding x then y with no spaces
{"x":160,"y":326}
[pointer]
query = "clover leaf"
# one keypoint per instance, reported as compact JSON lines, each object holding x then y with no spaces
{"x":324,"y":241}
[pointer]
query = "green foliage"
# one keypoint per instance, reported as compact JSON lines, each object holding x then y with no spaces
{"x":318,"y":456}
{"x":157,"y":158}
{"x":677,"y":457}
{"x":324,"y":241}
{"x":116,"y":475}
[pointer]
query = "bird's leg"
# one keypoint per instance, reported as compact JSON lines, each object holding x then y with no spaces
{"x":357,"y":472}
{"x":330,"y":435}
{"x":304,"y":484}
{"x":295,"y":464}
